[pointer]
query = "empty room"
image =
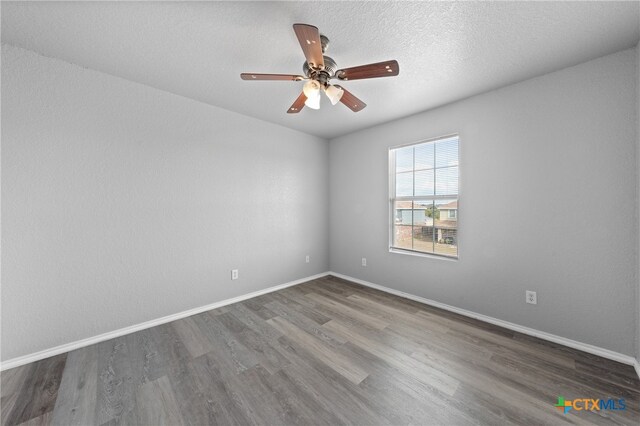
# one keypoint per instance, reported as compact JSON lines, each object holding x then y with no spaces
{"x":320,"y":213}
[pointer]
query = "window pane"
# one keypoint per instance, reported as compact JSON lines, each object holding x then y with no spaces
{"x":446,"y":152}
{"x":403,"y":218}
{"x":404,"y":184}
{"x":423,"y":225}
{"x":424,"y":156}
{"x":404,"y":159}
{"x":447,"y":181}
{"x":423,"y":174}
{"x":446,"y":227}
{"x":424,"y":182}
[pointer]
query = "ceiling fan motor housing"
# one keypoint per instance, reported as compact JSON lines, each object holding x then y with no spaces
{"x":323,"y":75}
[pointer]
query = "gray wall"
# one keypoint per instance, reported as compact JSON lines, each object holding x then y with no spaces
{"x":122,"y":203}
{"x":638,"y":198}
{"x":557,"y":152}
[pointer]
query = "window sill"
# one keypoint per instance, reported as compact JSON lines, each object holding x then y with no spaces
{"x":423,"y":254}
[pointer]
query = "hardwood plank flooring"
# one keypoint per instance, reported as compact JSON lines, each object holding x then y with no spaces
{"x":324,"y":352}
{"x":44,"y":377}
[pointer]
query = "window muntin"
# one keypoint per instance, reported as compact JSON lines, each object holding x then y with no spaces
{"x":424,"y":197}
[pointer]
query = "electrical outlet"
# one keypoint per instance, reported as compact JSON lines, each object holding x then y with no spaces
{"x":531,"y":297}
{"x":306,"y":259}
{"x":364,"y":261}
{"x":234,"y":274}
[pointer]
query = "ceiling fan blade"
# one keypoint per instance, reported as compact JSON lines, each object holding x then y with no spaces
{"x":379,"y":69}
{"x":284,"y":77}
{"x":309,"y":38}
{"x":351,"y":101}
{"x":297,"y":105}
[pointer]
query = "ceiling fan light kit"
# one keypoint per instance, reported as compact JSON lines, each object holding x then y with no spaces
{"x":319,"y":70}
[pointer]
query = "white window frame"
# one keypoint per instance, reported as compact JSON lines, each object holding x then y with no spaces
{"x":393,"y":198}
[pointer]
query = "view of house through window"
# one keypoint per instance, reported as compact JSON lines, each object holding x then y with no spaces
{"x":424,"y":197}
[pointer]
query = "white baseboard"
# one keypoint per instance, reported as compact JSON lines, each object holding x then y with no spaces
{"x":22,"y":360}
{"x":585,"y":347}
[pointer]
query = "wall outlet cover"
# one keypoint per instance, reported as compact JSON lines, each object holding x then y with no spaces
{"x":531,"y":297}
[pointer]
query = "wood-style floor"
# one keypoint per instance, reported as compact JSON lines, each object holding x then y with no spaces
{"x":324,"y":352}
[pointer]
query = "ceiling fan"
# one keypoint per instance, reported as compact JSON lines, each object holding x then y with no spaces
{"x":319,"y":70}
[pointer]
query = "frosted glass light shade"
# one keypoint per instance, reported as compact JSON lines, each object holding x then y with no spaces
{"x":334,"y":94}
{"x":311,"y":89}
{"x":313,"y":102}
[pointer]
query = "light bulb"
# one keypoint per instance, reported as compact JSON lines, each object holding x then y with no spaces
{"x":313,"y":102}
{"x":311,"y":89}
{"x":334,"y":94}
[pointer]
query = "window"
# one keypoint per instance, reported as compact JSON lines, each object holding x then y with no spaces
{"x":424,"y":197}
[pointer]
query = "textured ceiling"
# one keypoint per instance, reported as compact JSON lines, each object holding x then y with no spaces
{"x":446,"y":51}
